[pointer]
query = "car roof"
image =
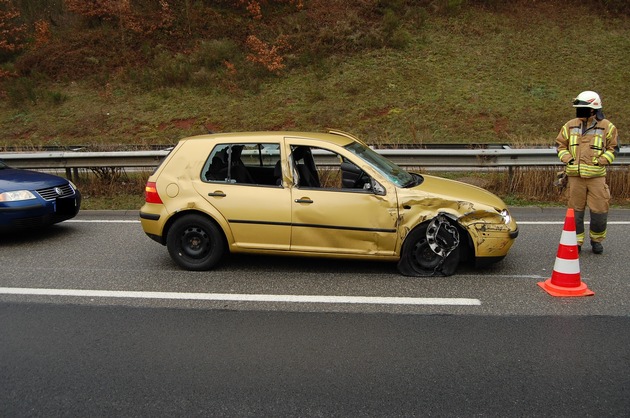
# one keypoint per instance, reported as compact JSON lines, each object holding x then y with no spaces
{"x":335,"y":137}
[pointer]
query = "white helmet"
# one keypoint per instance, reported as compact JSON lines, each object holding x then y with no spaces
{"x":588,"y":99}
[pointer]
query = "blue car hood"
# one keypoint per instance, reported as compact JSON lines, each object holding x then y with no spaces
{"x":13,"y":179}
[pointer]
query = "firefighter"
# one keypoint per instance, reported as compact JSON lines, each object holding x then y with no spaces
{"x":587,"y":144}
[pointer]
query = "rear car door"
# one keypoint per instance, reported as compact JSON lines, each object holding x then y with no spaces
{"x":241,"y":180}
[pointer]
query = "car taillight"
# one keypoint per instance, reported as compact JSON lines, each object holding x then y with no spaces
{"x":151,"y":194}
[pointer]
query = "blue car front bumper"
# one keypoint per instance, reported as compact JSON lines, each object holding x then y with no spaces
{"x":29,"y":215}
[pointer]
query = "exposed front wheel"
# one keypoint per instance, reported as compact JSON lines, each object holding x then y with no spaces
{"x":195,"y":243}
{"x":431,"y":249}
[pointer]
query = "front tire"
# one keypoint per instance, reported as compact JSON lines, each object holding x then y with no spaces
{"x":418,"y":259}
{"x":195,"y":243}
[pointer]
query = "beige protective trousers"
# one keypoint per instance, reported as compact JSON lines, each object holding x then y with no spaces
{"x":594,"y":193}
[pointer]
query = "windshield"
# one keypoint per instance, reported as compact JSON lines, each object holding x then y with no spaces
{"x":395,"y":174}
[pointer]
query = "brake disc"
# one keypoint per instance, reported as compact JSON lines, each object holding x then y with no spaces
{"x":442,"y":237}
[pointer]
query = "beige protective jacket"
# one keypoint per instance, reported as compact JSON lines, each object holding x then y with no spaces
{"x":587,"y":147}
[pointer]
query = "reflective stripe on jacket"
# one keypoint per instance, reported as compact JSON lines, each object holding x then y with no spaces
{"x":591,"y":145}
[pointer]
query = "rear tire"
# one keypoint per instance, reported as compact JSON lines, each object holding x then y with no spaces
{"x":195,"y":243}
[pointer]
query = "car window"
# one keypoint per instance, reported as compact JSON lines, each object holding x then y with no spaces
{"x":244,"y":163}
{"x":387,"y":168}
{"x":316,"y":167}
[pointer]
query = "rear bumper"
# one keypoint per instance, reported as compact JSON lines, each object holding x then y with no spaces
{"x":149,"y":216}
{"x":152,"y":221}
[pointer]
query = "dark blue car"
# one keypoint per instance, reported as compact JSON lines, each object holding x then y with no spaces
{"x":30,"y":199}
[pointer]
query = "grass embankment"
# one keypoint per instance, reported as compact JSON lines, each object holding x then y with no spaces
{"x":472,"y":75}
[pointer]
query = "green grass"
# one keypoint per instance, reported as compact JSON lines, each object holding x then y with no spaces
{"x":117,"y":202}
{"x":476,"y":76}
{"x":469,"y":74}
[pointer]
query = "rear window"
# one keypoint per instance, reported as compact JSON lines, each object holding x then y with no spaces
{"x":246,"y":163}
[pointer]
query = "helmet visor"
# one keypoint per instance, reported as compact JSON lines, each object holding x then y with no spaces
{"x":581,"y":103}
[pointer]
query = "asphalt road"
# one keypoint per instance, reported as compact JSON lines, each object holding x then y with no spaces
{"x":368,"y":342}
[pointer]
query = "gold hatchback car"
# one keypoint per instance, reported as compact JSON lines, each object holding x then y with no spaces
{"x":320,"y":195}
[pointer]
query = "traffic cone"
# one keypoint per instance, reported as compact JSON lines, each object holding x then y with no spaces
{"x":565,"y":279}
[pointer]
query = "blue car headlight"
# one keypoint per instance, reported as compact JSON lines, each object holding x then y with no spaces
{"x":16,"y":196}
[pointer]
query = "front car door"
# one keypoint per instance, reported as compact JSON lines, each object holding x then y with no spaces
{"x":332,"y":216}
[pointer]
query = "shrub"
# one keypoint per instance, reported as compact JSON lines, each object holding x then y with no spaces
{"x":171,"y":70}
{"x":400,"y":39}
{"x":617,"y":6}
{"x":12,"y":30}
{"x":20,"y":91}
{"x":76,"y":55}
{"x":213,"y":53}
{"x":56,"y":98}
{"x":268,"y":56}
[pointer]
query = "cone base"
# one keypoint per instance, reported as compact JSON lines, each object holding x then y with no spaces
{"x":561,"y":291}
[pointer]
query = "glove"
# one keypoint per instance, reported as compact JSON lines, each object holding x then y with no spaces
{"x":561,"y":179}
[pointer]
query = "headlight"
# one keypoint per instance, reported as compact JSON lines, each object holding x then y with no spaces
{"x":16,"y":196}
{"x":507,"y":218}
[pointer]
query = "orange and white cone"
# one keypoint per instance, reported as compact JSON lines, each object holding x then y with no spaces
{"x":565,"y":279}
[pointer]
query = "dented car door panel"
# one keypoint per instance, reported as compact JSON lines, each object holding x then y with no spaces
{"x":362,"y":223}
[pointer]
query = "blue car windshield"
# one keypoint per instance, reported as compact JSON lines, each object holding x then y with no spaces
{"x":387,"y":168}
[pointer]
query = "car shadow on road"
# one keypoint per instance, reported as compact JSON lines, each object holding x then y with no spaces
{"x":296,"y":264}
{"x":49,"y":233}
{"x":264,"y":264}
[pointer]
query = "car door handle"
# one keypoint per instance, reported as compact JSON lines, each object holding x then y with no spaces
{"x":303,"y":200}
{"x":217,"y":193}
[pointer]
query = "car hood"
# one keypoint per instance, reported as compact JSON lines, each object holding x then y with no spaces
{"x":458,"y":192}
{"x":13,"y":179}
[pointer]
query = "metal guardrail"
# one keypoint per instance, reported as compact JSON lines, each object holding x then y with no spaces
{"x":71,"y":159}
{"x":460,"y":158}
{"x":480,"y":158}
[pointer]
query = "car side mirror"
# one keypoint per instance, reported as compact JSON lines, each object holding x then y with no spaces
{"x":377,"y":188}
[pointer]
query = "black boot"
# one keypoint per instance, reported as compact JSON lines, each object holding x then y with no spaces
{"x":597,"y":247}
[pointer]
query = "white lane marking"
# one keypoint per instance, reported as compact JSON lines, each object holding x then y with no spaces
{"x":369,"y":300}
{"x":562,"y":223}
{"x":103,"y":221}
